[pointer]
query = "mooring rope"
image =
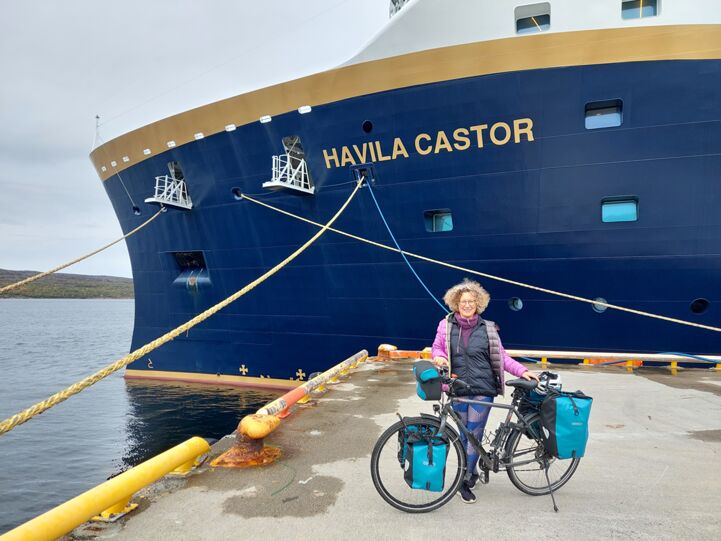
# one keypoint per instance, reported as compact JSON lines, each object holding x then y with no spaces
{"x":403,"y":255}
{"x":29,"y":413}
{"x":491,"y":276}
{"x":10,"y":287}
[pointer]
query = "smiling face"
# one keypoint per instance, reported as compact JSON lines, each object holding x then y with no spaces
{"x":467,"y":305}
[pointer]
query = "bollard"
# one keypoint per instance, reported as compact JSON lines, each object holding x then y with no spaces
{"x":249,"y":450}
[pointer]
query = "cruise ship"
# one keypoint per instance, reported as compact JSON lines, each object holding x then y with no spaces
{"x":574,"y":145}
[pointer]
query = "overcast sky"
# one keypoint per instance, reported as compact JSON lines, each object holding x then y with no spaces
{"x":132,"y":62}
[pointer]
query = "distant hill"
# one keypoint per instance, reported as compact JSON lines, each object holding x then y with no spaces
{"x":67,"y":286}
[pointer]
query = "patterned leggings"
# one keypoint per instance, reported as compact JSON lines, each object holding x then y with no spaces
{"x":475,"y":418}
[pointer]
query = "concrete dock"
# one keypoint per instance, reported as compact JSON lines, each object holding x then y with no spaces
{"x":652,"y":471}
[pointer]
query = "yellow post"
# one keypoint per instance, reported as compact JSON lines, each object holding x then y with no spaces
{"x":544,"y":363}
{"x":629,"y":366}
{"x":718,"y":366}
{"x":586,"y":362}
{"x":63,"y":518}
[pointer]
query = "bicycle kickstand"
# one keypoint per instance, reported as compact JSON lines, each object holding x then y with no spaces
{"x":548,"y":480}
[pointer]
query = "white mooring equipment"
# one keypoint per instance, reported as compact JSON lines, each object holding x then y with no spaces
{"x":290,"y":172}
{"x":171,"y":192}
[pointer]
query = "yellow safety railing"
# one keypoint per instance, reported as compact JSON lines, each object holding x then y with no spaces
{"x":30,"y":279}
{"x":112,"y":495}
{"x":29,"y":413}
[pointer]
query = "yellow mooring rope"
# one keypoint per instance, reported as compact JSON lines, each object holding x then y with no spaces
{"x":490,"y":276}
{"x":26,"y":281}
{"x":26,"y":415}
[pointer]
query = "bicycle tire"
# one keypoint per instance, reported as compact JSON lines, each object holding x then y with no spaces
{"x":530,"y":477}
{"x":387,"y":472}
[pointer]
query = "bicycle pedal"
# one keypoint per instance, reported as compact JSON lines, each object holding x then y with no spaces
{"x":484,"y":478}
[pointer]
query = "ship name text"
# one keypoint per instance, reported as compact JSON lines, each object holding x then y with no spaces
{"x":460,"y":139}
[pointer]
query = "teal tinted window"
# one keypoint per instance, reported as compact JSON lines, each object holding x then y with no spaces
{"x":619,"y":210}
{"x":638,"y":9}
{"x":438,"y":221}
{"x":604,"y":114}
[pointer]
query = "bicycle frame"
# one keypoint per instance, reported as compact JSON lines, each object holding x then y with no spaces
{"x":490,"y":460}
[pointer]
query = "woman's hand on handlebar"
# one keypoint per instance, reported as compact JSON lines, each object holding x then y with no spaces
{"x":528,"y":376}
{"x":440,"y":362}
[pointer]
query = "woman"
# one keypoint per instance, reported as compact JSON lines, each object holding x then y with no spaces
{"x":476,"y":356}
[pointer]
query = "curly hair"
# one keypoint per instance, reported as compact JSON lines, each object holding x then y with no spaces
{"x":453,"y":295}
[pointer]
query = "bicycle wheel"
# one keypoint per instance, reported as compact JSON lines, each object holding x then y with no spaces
{"x":526,"y":458}
{"x":387,"y":471}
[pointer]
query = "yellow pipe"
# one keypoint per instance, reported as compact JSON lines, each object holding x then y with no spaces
{"x":71,"y":514}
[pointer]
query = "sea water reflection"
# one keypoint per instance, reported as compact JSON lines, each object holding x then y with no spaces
{"x":161,"y":415}
{"x":46,"y":345}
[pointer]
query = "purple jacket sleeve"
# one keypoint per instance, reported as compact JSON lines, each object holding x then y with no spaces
{"x":512,"y":366}
{"x":439,"y":344}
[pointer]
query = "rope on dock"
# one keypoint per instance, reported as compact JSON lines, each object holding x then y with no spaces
{"x":490,"y":276}
{"x":30,"y":279}
{"x":40,"y":407}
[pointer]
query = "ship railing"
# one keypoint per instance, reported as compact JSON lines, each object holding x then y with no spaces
{"x":172,"y":192}
{"x":395,"y":6}
{"x":290,"y":172}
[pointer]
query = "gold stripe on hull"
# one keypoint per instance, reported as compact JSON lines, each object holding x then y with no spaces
{"x":219,"y":379}
{"x":589,"y":47}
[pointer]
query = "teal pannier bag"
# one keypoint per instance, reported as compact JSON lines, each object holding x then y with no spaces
{"x":428,"y":380}
{"x":564,"y":417}
{"x":425,"y":460}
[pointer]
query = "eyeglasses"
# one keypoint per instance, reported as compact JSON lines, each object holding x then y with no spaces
{"x":467,"y":302}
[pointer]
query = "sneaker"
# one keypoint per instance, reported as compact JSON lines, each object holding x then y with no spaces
{"x":472,"y":481}
{"x":466,"y":495}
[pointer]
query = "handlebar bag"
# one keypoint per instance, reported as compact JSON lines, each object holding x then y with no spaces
{"x":564,"y":418}
{"x":425,"y":460}
{"x":428,"y":380}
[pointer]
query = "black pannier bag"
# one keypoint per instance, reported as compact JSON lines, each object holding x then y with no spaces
{"x":428,"y":380}
{"x":564,"y":420}
{"x":422,"y":455}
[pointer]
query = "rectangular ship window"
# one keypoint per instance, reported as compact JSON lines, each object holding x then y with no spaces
{"x":638,"y":9}
{"x":438,"y":221}
{"x":533,"y":18}
{"x":604,"y":114}
{"x":619,"y":210}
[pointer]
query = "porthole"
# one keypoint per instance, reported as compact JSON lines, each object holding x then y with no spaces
{"x":515,"y":304}
{"x":599,"y":308}
{"x":699,"y":306}
{"x":237,"y":194}
{"x":367,"y":126}
{"x":136,"y":211}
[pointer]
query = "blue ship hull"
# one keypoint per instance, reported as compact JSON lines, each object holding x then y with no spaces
{"x":529,"y":211}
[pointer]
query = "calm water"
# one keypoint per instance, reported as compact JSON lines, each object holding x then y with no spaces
{"x":46,"y":345}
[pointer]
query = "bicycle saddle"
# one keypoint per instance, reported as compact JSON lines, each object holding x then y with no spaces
{"x":523,"y":384}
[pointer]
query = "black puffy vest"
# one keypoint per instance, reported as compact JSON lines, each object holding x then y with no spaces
{"x":472,"y":364}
